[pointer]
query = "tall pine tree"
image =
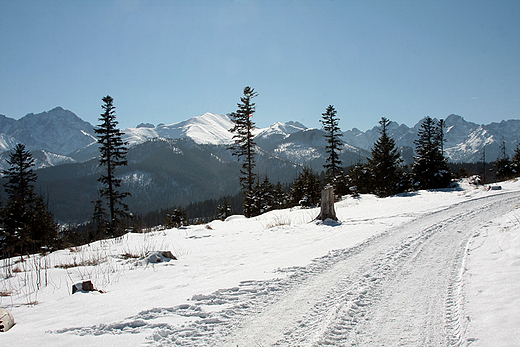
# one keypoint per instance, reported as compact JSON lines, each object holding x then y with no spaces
{"x":28,"y":225}
{"x":385,"y":164}
{"x":244,"y":146}
{"x":430,"y":168}
{"x":113,"y":155}
{"x":333,"y":166}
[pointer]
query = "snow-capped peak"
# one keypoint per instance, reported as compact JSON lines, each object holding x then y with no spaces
{"x":279,"y":129}
{"x":208,"y":128}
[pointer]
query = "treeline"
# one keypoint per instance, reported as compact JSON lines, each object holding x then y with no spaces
{"x":27,"y":225}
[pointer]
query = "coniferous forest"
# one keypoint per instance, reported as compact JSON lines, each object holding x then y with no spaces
{"x":28,"y":224}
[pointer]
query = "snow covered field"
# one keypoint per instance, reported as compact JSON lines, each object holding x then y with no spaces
{"x":423,"y":269}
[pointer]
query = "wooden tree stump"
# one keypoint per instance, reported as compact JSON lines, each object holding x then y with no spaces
{"x":327,"y":204}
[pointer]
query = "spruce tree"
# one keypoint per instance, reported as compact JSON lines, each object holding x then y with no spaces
{"x":113,"y":155}
{"x":224,"y":209}
{"x":358,"y":179}
{"x":28,"y":225}
{"x":176,"y":219}
{"x":306,"y":189}
{"x":265,"y":196}
{"x":430,"y":168}
{"x":385,"y":164}
{"x":515,"y":161}
{"x":244,"y":146}
{"x":280,"y":198}
{"x":333,"y":167}
{"x":503,"y":166}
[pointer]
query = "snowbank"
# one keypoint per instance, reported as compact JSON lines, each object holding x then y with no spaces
{"x":223,"y":255}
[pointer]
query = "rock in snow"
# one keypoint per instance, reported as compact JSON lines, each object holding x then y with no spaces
{"x":6,"y":320}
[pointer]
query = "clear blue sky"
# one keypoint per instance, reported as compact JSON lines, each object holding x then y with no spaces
{"x":165,"y":61}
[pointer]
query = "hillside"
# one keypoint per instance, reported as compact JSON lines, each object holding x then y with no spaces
{"x":161,"y":173}
{"x":188,"y":161}
{"x":441,"y":263}
{"x":61,"y":132}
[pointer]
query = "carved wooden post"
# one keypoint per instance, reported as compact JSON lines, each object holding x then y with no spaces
{"x":327,"y":204}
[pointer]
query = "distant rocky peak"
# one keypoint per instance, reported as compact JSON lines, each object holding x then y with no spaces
{"x":146,"y":125}
{"x":296,"y":125}
{"x":57,"y":116}
{"x":454,"y":118}
{"x":58,"y":131}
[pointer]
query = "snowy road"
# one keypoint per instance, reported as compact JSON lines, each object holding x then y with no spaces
{"x":401,"y":288}
{"x":431,"y":268}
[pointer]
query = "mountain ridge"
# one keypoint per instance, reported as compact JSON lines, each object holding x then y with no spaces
{"x":196,"y":164}
{"x":63,"y":133}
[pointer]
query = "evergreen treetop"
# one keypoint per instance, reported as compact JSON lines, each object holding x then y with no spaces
{"x":333,"y":165}
{"x":113,"y":154}
{"x":20,"y":175}
{"x":384,"y":165}
{"x":28,"y":225}
{"x":244,"y":146}
{"x":112,"y":148}
{"x":430,"y":167}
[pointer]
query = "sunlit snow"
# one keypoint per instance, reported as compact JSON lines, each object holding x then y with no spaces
{"x":229,"y":275}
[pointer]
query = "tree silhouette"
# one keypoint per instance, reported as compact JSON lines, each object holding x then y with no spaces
{"x":385,"y":164}
{"x":244,"y":146}
{"x":430,"y":168}
{"x":333,"y":165}
{"x":113,"y":155}
{"x":28,"y":225}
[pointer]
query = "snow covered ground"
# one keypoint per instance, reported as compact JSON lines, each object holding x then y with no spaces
{"x":422,"y":269}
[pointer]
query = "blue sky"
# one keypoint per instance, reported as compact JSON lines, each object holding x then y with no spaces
{"x":166,"y":61}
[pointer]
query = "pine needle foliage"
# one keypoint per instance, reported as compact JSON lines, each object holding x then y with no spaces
{"x":244,"y":146}
{"x":28,"y":225}
{"x":306,"y":189}
{"x":224,"y":209}
{"x":385,"y":164}
{"x":333,"y":166}
{"x":176,"y":219}
{"x":515,"y":161}
{"x":430,"y":168}
{"x":113,"y":155}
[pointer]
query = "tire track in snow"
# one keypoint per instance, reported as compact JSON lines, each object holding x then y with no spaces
{"x":421,"y":303}
{"x":402,"y":287}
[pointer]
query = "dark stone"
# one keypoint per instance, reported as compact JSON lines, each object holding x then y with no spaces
{"x":85,"y":286}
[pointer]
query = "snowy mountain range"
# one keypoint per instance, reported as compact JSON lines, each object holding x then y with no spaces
{"x":189,"y":161}
{"x":465,"y":141}
{"x":60,"y":137}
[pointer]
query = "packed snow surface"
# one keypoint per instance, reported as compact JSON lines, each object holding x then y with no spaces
{"x":430,"y":268}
